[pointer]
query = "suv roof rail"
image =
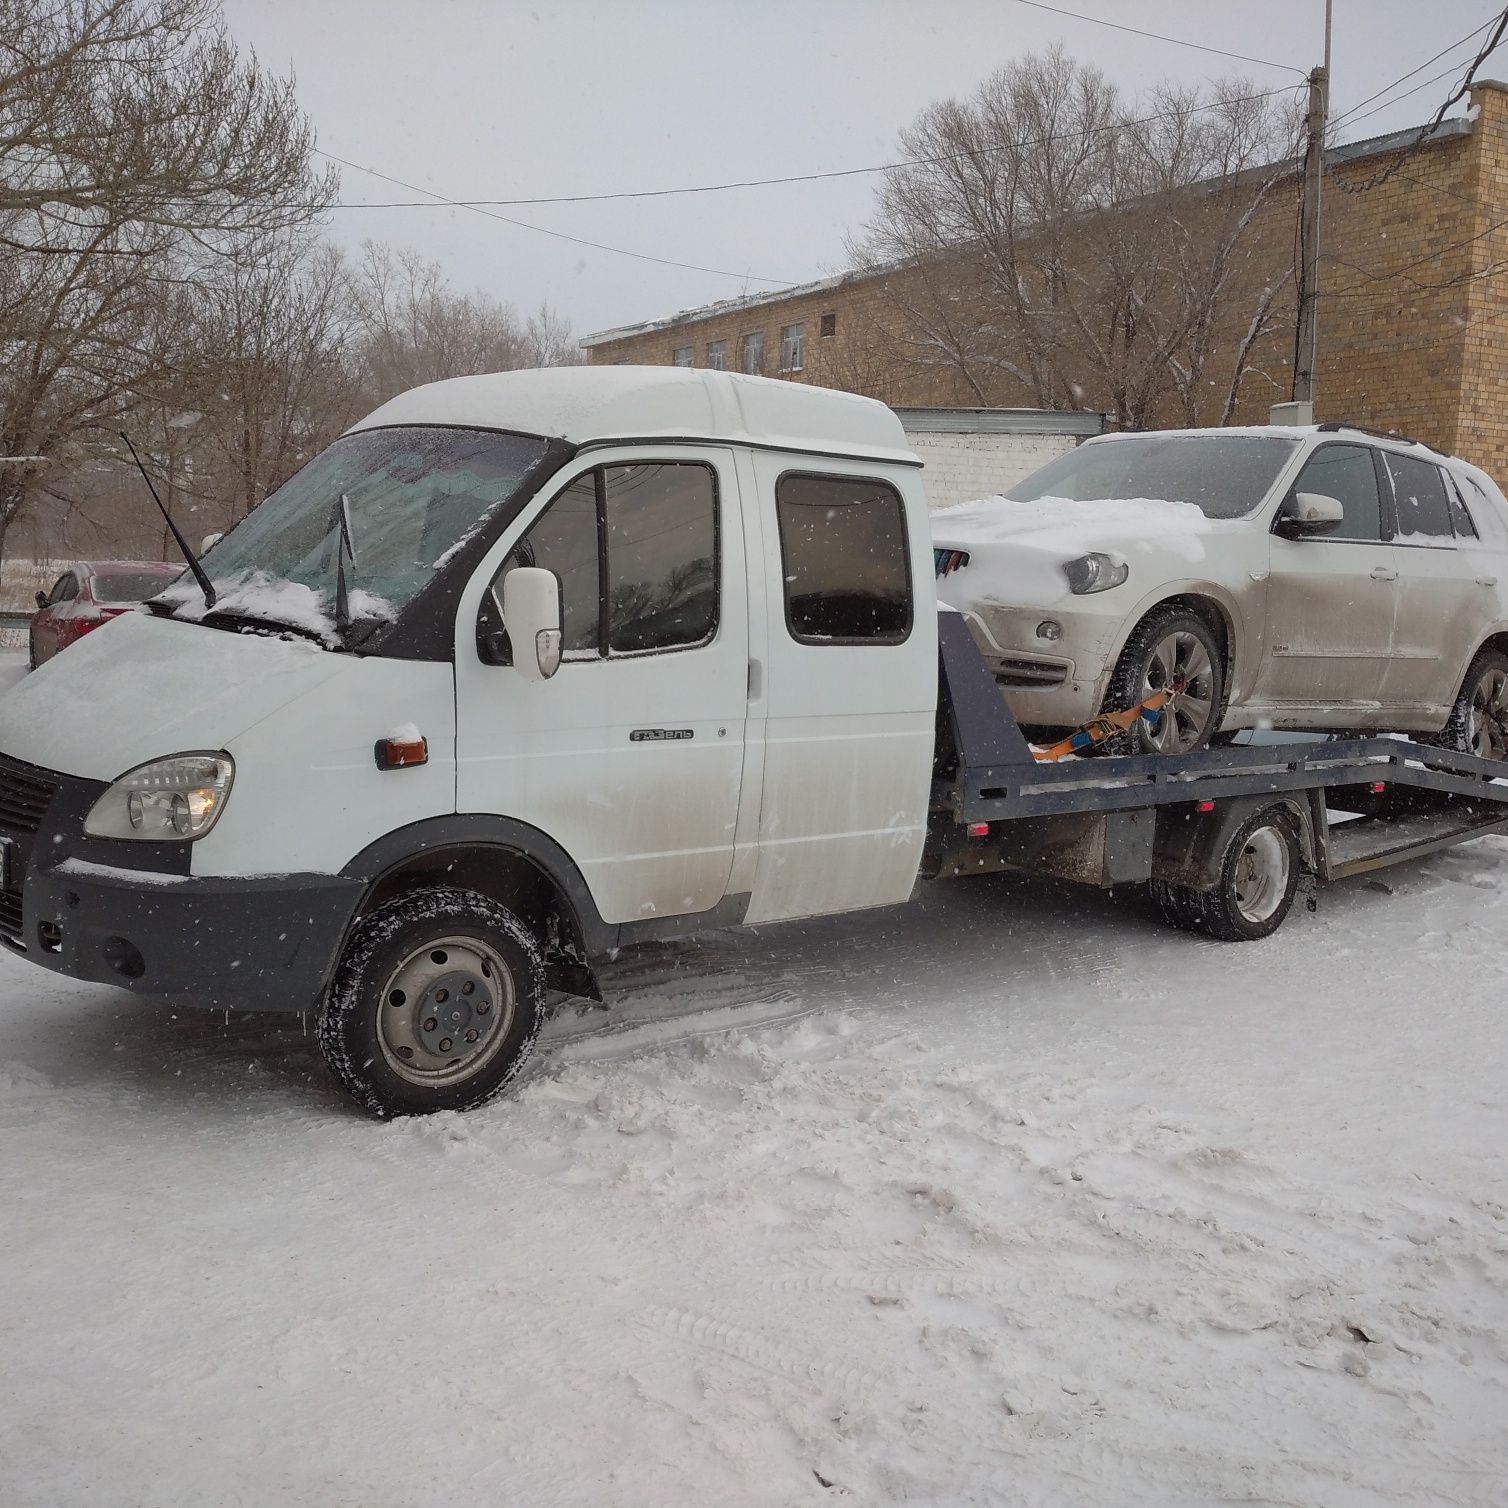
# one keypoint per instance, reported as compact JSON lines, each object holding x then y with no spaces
{"x":1333,"y":426}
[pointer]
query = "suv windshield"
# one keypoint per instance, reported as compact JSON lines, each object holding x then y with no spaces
{"x":1223,"y":475}
{"x":414,"y":492}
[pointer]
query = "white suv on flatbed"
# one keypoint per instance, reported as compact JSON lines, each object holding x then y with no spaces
{"x":1318,"y":578}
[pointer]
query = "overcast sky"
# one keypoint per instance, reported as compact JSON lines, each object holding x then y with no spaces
{"x":507,"y":99}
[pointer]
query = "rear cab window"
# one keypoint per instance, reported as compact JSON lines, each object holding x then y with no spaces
{"x":845,"y":566}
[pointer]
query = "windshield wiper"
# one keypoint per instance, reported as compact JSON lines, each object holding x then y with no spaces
{"x":344,"y":550}
{"x":231,"y":617}
{"x":205,"y":584}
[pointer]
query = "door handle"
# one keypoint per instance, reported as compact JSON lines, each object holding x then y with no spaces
{"x":1384,"y":573}
{"x":1487,"y":581}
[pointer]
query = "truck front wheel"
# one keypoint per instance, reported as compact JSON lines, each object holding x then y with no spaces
{"x":435,"y":1003}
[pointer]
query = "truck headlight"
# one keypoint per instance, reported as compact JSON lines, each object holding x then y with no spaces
{"x":1094,"y":573}
{"x":164,"y":801}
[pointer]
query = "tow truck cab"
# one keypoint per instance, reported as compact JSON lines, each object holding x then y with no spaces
{"x":717,"y":707}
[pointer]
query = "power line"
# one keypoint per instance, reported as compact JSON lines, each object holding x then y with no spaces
{"x":440,"y":201}
{"x":1499,"y":25}
{"x":1350,"y":120}
{"x":559,"y":235}
{"x":1136,"y":31}
{"x":1346,"y":115}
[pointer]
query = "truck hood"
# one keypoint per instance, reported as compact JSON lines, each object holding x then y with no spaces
{"x":142,"y":687}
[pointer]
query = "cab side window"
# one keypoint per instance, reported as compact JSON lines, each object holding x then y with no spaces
{"x":1419,"y":496}
{"x":1346,"y":473}
{"x":844,"y":560}
{"x":635,"y":549}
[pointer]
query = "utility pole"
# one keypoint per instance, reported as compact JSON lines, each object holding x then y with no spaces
{"x":1306,"y":354}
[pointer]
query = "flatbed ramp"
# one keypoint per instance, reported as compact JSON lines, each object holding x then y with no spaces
{"x":1224,"y":836}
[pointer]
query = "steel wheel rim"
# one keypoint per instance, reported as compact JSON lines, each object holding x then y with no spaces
{"x":445,"y":1011}
{"x":1182,"y":663}
{"x":1489,"y":715}
{"x":1261,"y":877}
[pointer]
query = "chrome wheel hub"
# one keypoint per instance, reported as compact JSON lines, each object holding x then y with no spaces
{"x":1261,"y":877}
{"x":1489,"y":715}
{"x":1181,"y":665}
{"x":445,"y":1011}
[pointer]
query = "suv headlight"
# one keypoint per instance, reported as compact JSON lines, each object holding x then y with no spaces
{"x":1094,"y":573}
{"x":165,"y":800}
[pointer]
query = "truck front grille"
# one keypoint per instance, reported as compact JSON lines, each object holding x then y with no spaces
{"x":25,"y":794}
{"x":10,"y":914}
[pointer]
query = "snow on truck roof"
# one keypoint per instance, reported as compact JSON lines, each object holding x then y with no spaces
{"x":594,"y":404}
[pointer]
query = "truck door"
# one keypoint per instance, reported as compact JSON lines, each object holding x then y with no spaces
{"x":848,"y":678}
{"x":630,"y":757}
{"x":1331,"y":598}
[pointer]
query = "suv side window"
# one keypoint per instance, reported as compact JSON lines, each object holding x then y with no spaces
{"x":1460,"y":513}
{"x":844,"y":560}
{"x":635,"y":549}
{"x":1346,"y":473}
{"x":1419,"y":496}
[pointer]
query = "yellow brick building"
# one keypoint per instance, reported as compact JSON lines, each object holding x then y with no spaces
{"x":1413,"y":313}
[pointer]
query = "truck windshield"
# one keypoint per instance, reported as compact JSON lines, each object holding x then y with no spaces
{"x":414,"y":492}
{"x":1223,"y":475}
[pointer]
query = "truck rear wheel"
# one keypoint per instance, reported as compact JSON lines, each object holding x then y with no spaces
{"x":435,"y":1004}
{"x":1259,"y":874}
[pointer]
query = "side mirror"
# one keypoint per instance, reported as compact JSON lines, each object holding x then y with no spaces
{"x":41,"y":599}
{"x":531,"y":614}
{"x":210,"y":539}
{"x":1306,"y":514}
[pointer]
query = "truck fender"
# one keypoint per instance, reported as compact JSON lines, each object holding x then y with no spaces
{"x":1190,"y":844}
{"x":487,"y":844}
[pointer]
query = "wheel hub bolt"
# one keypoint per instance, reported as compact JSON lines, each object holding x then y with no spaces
{"x":445,"y":1044}
{"x":441,"y":996}
{"x":472,"y":1035}
{"x":430,"y":1024}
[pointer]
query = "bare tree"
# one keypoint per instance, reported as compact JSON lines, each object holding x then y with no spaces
{"x":1053,"y":243}
{"x":137,"y":150}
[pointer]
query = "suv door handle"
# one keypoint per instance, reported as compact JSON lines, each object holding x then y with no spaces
{"x":1487,"y":581}
{"x":1384,"y":573}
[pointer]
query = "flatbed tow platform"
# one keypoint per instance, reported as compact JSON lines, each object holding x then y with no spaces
{"x":1226,"y":838}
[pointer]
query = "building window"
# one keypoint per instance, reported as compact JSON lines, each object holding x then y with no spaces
{"x":793,"y":347}
{"x":717,"y":355}
{"x":681,"y":356}
{"x":751,"y":354}
{"x":829,"y":325}
{"x":843,"y":557}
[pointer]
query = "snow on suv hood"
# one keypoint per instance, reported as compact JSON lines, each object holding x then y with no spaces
{"x":1015,"y":549}
{"x":140,"y":687}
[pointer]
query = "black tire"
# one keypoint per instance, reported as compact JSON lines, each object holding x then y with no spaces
{"x":1236,"y":910}
{"x":472,"y":967}
{"x":1136,"y":674}
{"x":1478,"y":722}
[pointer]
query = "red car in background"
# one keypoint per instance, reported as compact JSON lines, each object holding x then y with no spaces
{"x":91,"y":593}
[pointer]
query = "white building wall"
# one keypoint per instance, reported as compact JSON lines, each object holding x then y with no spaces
{"x":960,"y":468}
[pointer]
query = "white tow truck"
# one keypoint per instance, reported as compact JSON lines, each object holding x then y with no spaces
{"x":531,"y":667}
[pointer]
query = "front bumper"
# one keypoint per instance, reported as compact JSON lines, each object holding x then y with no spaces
{"x":131,"y":914}
{"x":242,"y":944}
{"x":1046,"y":682}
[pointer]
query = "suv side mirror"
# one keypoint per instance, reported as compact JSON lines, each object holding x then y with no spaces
{"x":41,"y":599}
{"x":531,"y":614}
{"x":1307,"y":514}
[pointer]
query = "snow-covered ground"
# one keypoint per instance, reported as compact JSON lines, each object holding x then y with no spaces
{"x":1008,"y":1196}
